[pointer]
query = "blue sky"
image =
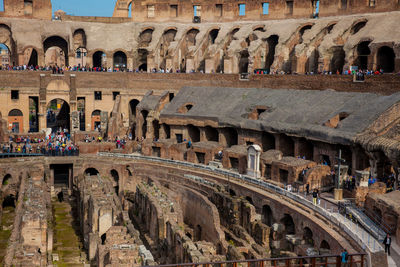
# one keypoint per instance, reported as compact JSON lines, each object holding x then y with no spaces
{"x":103,"y":8}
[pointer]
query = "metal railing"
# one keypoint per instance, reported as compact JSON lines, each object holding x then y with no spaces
{"x":363,"y":238}
{"x":308,"y":261}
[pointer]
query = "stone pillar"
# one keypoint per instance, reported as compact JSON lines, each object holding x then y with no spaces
{"x":75,"y":121}
{"x":93,"y":242}
{"x":190,"y":65}
{"x":203,"y":137}
{"x":209,"y":68}
{"x":103,"y":121}
{"x":253,"y":161}
{"x":42,"y":103}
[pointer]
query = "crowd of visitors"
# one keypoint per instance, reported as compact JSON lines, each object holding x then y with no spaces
{"x":55,"y":144}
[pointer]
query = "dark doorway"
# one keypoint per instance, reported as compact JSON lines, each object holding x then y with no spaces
{"x":194,"y":133}
{"x":62,"y":174}
{"x":244,"y":62}
{"x":386,"y":59}
{"x":338,"y":60}
{"x":99,"y":59}
{"x":115,"y":177}
{"x":144,"y":113}
{"x":81,"y":109}
{"x":61,"y":43}
{"x":268,"y":141}
{"x":288,"y":222}
{"x":120,"y":61}
{"x":267,"y":217}
{"x":91,"y":171}
{"x":33,"y":114}
{"x":213,"y":35}
{"x":363,"y":52}
{"x":9,"y":201}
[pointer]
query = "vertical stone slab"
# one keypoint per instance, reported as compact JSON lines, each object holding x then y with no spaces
{"x":103,"y":120}
{"x":75,"y":121}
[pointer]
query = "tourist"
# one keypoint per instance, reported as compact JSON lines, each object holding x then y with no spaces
{"x":387,"y":242}
{"x":315,"y":196}
{"x":308,"y":189}
{"x":344,"y":258}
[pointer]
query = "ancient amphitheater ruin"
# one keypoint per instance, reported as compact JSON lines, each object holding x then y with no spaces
{"x":212,"y":133}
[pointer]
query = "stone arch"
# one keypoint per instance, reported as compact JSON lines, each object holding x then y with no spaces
{"x":324,"y":247}
{"x":308,"y":236}
{"x":120,"y":60}
{"x":385,"y":59}
{"x":267,"y":215}
{"x":58,"y":53}
{"x":99,"y":59}
{"x":260,"y":28}
{"x":7,"y":40}
{"x":58,"y":114}
{"x":288,"y":222}
{"x":213,"y":34}
{"x":9,"y":201}
{"x":91,"y":171}
{"x":15,"y":113}
{"x":79,"y":38}
{"x":146,"y":36}
{"x":191,"y":36}
{"x":330,"y":27}
{"x":338,"y":59}
{"x":302,"y":29}
{"x":358,"y":25}
{"x":30,"y":56}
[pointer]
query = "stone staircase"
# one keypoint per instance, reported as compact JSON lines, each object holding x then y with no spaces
{"x":67,"y":248}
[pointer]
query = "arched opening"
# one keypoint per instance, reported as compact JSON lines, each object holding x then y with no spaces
{"x":358,"y":26}
{"x":115,"y":176}
{"x":96,"y":120}
{"x":363,"y":53}
{"x":145,"y":37}
{"x":4,"y":55}
{"x":144,"y":114}
{"x":103,"y":238}
{"x":244,"y":62}
{"x":6,"y":179}
{"x":91,"y":172}
{"x":194,"y":133}
{"x":211,"y":134}
{"x":119,"y":61}
{"x":7,"y":46}
{"x":338,"y":59}
{"x":267,"y":217}
{"x":167,"y":38}
{"x":302,"y":31}
{"x":58,"y":115}
{"x":213,"y":35}
{"x":324,"y":248}
{"x":15,"y":121}
{"x":272,"y":42}
{"x":56,"y":51}
{"x":288,"y":222}
{"x":99,"y":59}
{"x":142,"y":57}
{"x":9,"y":201}
{"x":268,"y":141}
{"x":132,"y":116}
{"x":308,"y":236}
{"x":79,"y":39}
{"x":385,"y":59}
{"x":191,"y":37}
{"x":330,"y":28}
